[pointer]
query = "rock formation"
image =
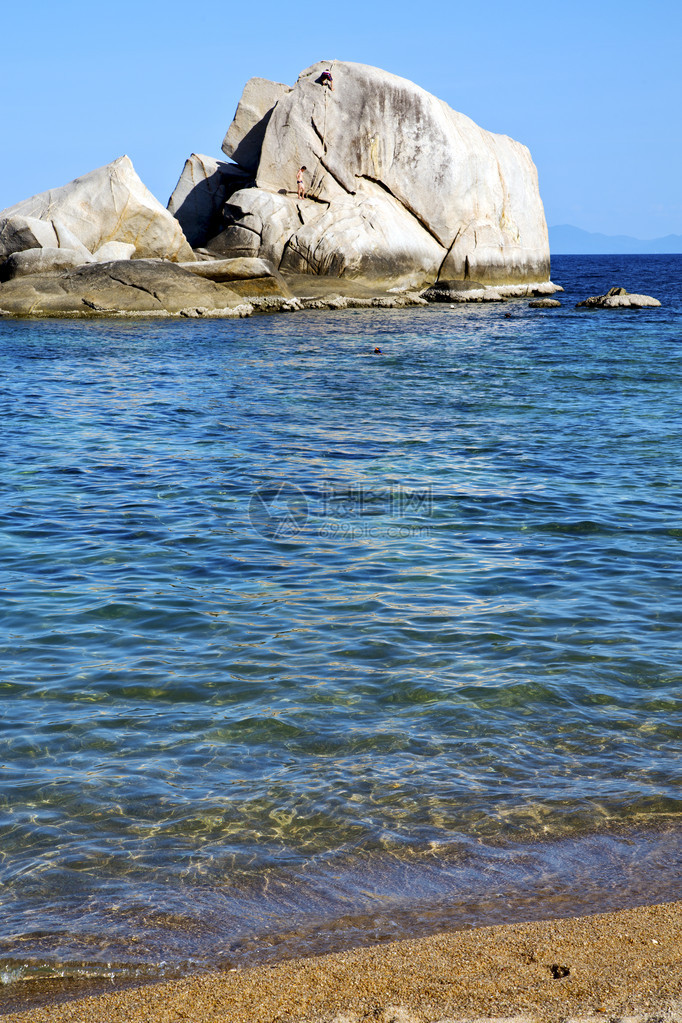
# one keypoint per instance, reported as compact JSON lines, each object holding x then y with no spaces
{"x":198,"y":199}
{"x":400,"y":186}
{"x":244,"y":138}
{"x":107,"y":205}
{"x":402,"y":192}
{"x":129,"y":286}
{"x":618,"y":298}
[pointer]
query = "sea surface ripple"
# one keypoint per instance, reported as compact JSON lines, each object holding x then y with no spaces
{"x":304,"y":644}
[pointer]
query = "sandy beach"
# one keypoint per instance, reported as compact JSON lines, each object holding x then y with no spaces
{"x":622,"y":966}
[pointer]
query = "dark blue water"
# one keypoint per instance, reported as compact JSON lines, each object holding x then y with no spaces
{"x":304,"y":645}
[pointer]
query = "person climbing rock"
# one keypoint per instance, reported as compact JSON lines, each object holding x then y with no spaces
{"x":326,"y":79}
{"x":299,"y":183}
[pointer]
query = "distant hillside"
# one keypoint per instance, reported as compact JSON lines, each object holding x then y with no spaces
{"x":566,"y":240}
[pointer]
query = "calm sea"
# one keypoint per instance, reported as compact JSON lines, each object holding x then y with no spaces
{"x":305,"y":646}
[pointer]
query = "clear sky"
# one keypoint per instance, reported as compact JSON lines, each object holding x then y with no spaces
{"x":593,"y":88}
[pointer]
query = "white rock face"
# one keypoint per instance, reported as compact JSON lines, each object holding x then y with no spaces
{"x":245,"y":135}
{"x":400,"y":186}
{"x":111,"y":251}
{"x":264,"y":223}
{"x":630,"y":302}
{"x":239,"y":269}
{"x":18,"y":233}
{"x":364,"y":237}
{"x":200,"y":194}
{"x":109,"y":204}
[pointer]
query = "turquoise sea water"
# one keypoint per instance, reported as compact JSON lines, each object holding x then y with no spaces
{"x":304,"y":645}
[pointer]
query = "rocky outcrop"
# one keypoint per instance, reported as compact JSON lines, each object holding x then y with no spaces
{"x":244,"y":137}
{"x":109,"y":204}
{"x":241,"y":269}
{"x":111,"y":251}
{"x":198,"y":199}
{"x":618,"y":298}
{"x":476,"y":291}
{"x":40,"y":261}
{"x":256,"y":280}
{"x":544,"y":303}
{"x":400,"y":186}
{"x":462,"y":291}
{"x":19,"y":233}
{"x":129,"y":286}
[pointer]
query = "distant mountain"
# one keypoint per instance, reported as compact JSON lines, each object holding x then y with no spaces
{"x":568,"y":240}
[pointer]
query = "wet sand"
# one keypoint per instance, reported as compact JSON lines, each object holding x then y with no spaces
{"x":614,"y":966}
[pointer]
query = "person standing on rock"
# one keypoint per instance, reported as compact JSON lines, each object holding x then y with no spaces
{"x":299,"y":182}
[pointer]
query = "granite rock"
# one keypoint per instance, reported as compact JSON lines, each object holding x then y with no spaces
{"x":470,"y":197}
{"x":111,"y":251}
{"x":239,"y":269}
{"x":204,"y":187}
{"x":244,"y":137}
{"x":127,"y":286}
{"x":39,"y":261}
{"x":260,"y":224}
{"x":108,"y":204}
{"x":19,"y":232}
{"x":618,"y":298}
{"x":462,"y":291}
{"x":367,"y":237}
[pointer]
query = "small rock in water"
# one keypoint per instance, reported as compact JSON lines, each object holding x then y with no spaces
{"x":618,"y":298}
{"x":545,"y":303}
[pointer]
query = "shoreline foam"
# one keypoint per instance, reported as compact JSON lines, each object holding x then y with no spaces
{"x":613,"y":965}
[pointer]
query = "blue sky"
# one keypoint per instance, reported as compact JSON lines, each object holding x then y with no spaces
{"x":594,"y":89}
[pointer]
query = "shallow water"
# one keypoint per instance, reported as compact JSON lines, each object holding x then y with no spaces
{"x":304,"y":645}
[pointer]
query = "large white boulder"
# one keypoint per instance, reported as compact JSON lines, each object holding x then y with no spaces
{"x":109,"y":204}
{"x":19,"y":233}
{"x":399,"y":180}
{"x":245,"y":135}
{"x":263,"y":223}
{"x":202,"y":190}
{"x":365,"y":237}
{"x":112,"y":251}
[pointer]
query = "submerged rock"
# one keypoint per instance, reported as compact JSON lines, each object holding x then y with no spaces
{"x":618,"y":298}
{"x":399,"y":185}
{"x":109,"y":204}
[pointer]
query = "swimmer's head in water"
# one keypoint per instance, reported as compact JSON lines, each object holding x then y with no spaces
{"x":377,"y":351}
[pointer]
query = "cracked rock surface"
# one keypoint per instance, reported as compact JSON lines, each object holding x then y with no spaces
{"x":110,"y":204}
{"x":399,"y":185}
{"x":126,"y":286}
